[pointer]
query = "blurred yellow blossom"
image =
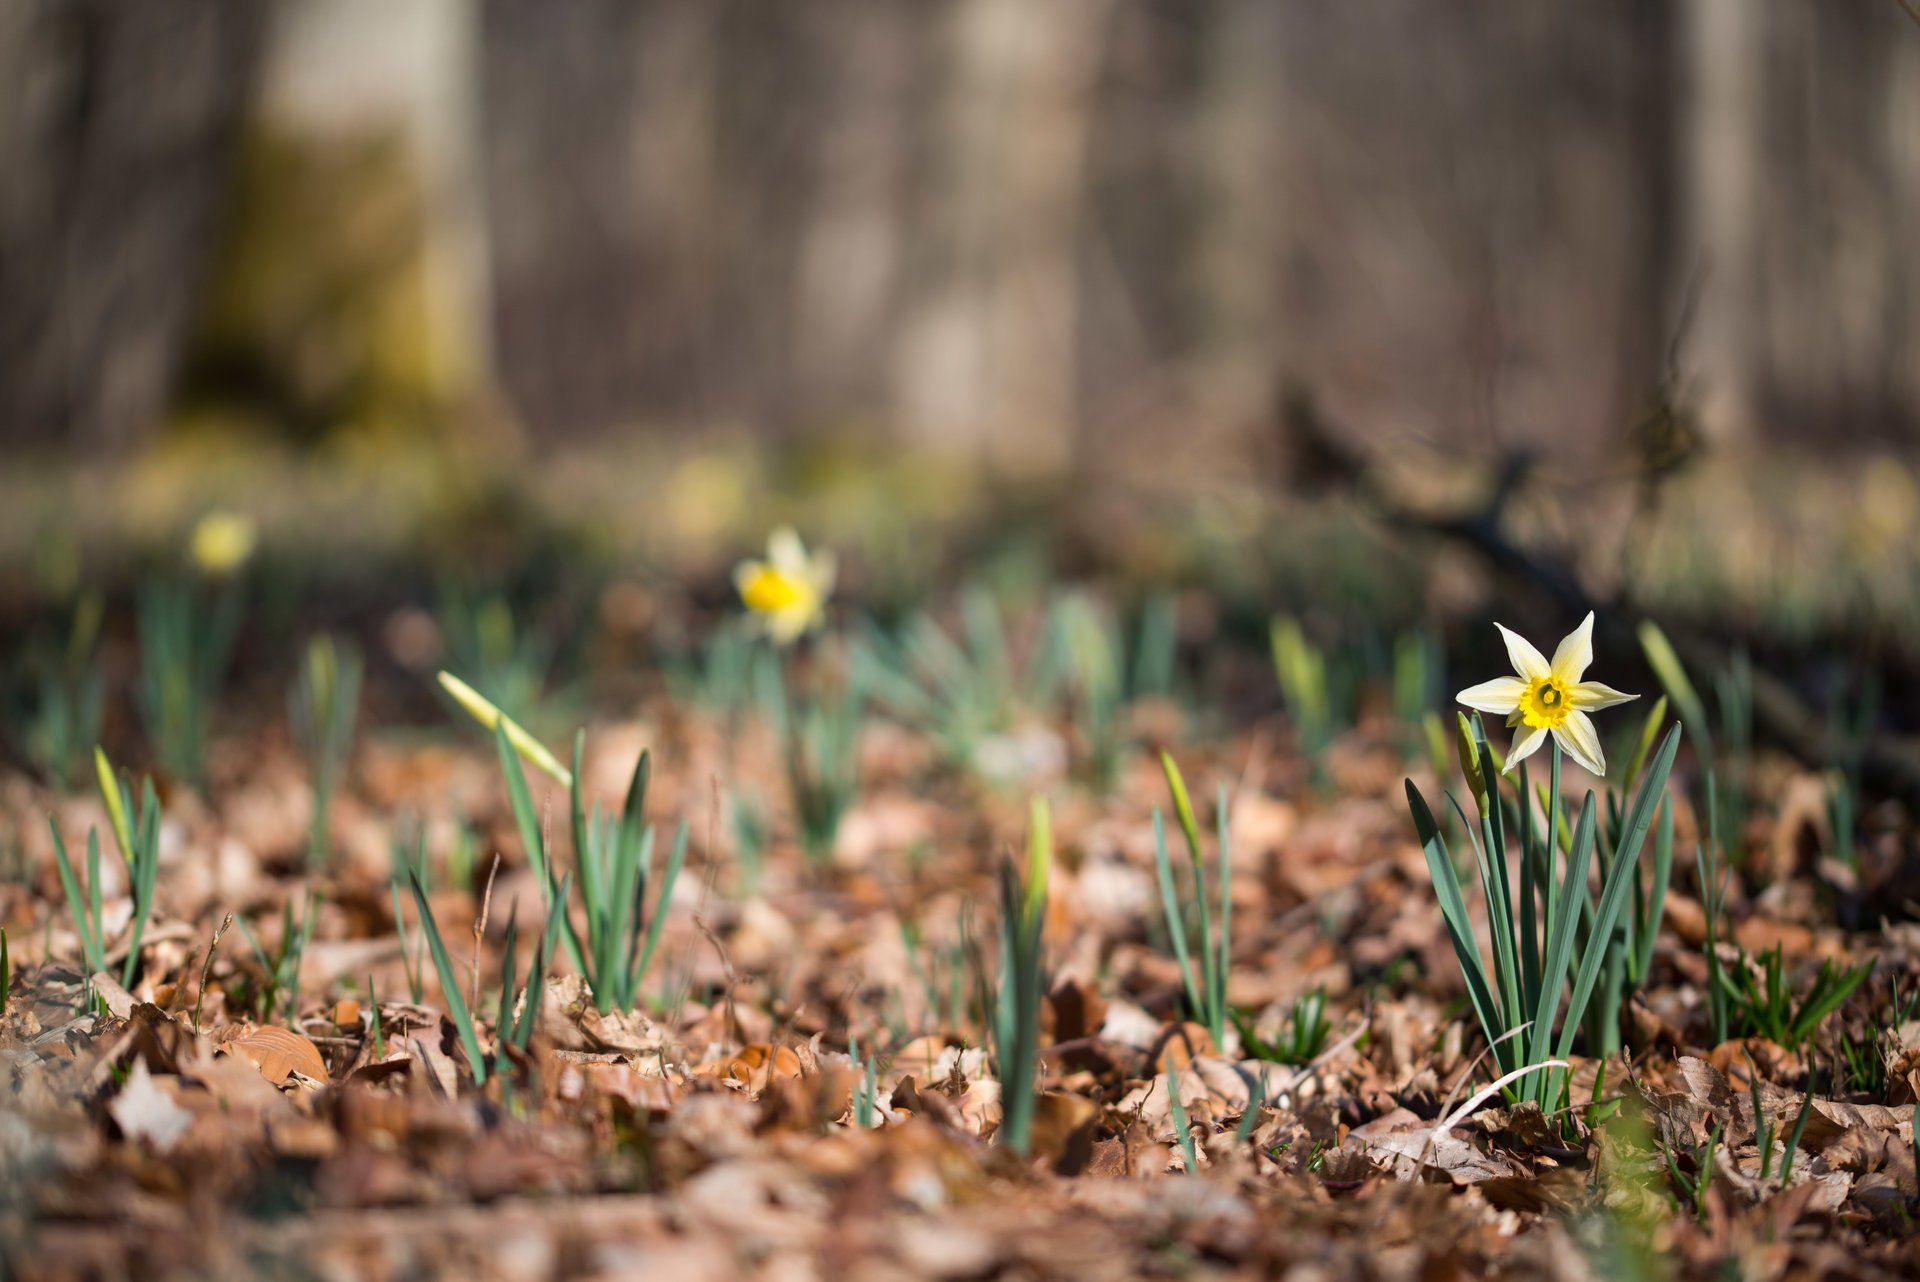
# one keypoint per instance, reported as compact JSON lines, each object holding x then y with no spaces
{"x":788,"y":590}
{"x":222,"y":542}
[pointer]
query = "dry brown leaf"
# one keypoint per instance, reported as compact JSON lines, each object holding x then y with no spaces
{"x":279,"y":1053}
{"x":145,"y":1111}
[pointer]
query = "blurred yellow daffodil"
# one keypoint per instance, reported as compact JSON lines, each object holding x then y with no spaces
{"x":788,"y":590}
{"x":1549,"y":698}
{"x":222,"y":542}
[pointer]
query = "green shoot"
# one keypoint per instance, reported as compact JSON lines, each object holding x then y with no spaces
{"x":1793,"y":1139}
{"x":1302,"y":671}
{"x":373,"y":1005}
{"x":1672,"y":674}
{"x":493,"y":718}
{"x":820,"y":742}
{"x":281,"y":970}
{"x":68,"y":692}
{"x":508,"y":664}
{"x":408,"y":863}
{"x":720,"y":677}
{"x":136,"y":830}
{"x":868,"y":1088}
{"x":1762,"y":1003}
{"x":613,"y":858}
{"x":6,"y":972}
{"x":457,"y":1009}
{"x":962,"y":691}
{"x":1182,"y":1126}
{"x":1303,"y":1038}
{"x":322,"y":708}
{"x":1256,"y":1101}
{"x":1535,"y":933}
{"x":1841,"y":818}
{"x":1016,"y":1007}
{"x":1105,"y":676}
{"x":186,"y":639}
{"x":83,"y":907}
{"x":1206,"y":985}
{"x":1696,"y":1185}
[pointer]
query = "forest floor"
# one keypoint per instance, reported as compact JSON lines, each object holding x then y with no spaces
{"x":807,"y":1086}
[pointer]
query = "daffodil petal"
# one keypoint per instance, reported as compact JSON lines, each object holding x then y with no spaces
{"x":1592,"y":694}
{"x":1527,"y":661}
{"x":1576,"y":734}
{"x":823,"y":572}
{"x":1525,"y":744}
{"x":787,"y":553}
{"x":1501,"y":695}
{"x":746,"y":572}
{"x":1574,"y":653}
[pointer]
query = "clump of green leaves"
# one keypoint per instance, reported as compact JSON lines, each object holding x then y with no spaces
{"x":1536,"y":926}
{"x":1764,"y":1128}
{"x":1761,"y":1001}
{"x":322,"y":708}
{"x":1106,"y":672}
{"x":508,"y":1030}
{"x":1205,"y":984}
{"x":719,"y":677}
{"x":961,"y":689}
{"x":187,"y":631}
{"x":66,"y":691}
{"x":1300,"y":1040}
{"x":820,"y":740}
{"x":280,"y":969}
{"x":506,"y":662}
{"x":1016,"y":1006}
{"x":1755,"y":997}
{"x":613,"y":858}
{"x":136,"y":831}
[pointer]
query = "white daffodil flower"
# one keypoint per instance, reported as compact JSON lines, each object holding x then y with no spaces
{"x":788,"y":590}
{"x":1549,"y":697}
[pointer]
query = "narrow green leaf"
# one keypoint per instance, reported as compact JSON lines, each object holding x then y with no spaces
{"x":450,"y":984}
{"x":1453,"y":910}
{"x":1613,"y":892}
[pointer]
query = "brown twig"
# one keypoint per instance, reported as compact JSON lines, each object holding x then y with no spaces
{"x":480,"y":928}
{"x":206,"y":969}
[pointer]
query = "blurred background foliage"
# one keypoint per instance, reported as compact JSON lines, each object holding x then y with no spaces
{"x":1266,"y":298}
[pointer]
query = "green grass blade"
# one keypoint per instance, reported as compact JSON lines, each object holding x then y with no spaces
{"x":1561,"y":931}
{"x":450,"y":985}
{"x":662,"y":902}
{"x":1453,"y":910}
{"x":1648,"y":928}
{"x":76,"y":902}
{"x":1170,"y":904}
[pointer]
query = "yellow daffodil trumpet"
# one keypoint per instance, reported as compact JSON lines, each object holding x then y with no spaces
{"x":788,"y":591}
{"x":1549,"y":698}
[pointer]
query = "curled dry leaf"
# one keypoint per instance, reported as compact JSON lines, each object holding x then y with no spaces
{"x":279,"y":1053}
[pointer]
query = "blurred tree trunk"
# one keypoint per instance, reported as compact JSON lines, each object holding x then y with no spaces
{"x":118,"y":124}
{"x":1723,"y":142}
{"x":990,"y":331}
